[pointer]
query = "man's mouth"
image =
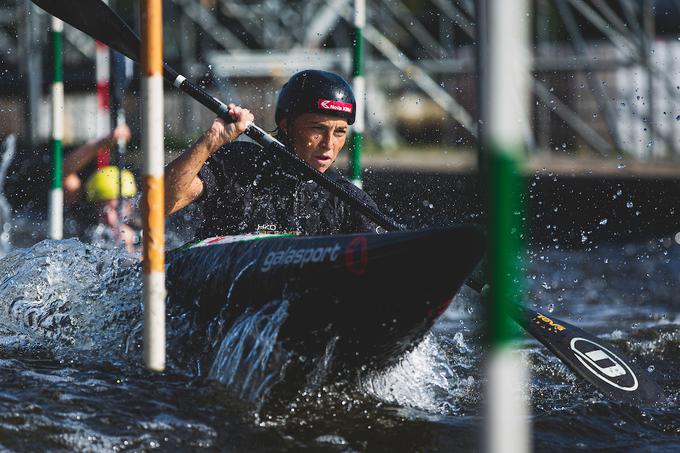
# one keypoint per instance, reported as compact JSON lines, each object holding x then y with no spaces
{"x":323,"y":159}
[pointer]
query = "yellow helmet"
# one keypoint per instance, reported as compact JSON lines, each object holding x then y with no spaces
{"x":103,"y":185}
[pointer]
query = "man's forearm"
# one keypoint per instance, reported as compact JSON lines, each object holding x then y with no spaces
{"x":83,"y":155}
{"x":181,"y":185}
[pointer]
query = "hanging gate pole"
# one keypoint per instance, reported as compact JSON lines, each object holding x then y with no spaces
{"x":102,"y":74}
{"x":153,"y":200}
{"x":504,"y":66}
{"x":56,"y":199}
{"x":359,"y":88}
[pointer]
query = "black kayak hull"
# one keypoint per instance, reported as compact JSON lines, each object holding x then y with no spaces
{"x":374,"y":296}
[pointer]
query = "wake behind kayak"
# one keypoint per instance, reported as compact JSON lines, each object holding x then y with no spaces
{"x":374,"y":296}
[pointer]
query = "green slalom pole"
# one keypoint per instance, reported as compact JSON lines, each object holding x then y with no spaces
{"x":359,"y":88}
{"x":56,"y":198}
{"x":505,"y":71}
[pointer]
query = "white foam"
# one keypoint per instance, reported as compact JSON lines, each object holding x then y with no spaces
{"x":423,"y":379}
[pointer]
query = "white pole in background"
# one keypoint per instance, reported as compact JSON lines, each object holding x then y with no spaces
{"x":56,"y":199}
{"x":359,"y":88}
{"x":102,"y":74}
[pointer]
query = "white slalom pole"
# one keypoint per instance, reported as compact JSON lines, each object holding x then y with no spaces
{"x":56,"y":199}
{"x":359,"y":88}
{"x":505,"y":77}
{"x":153,"y":206}
{"x":103,"y":74}
{"x":102,"y":69}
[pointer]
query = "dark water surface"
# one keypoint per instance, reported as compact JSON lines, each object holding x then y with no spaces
{"x":71,"y":379}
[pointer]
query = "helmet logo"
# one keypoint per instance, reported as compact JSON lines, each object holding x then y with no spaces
{"x":337,"y":106}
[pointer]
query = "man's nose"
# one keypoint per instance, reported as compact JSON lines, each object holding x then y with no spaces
{"x":327,"y":141}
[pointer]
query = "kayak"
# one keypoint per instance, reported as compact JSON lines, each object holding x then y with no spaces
{"x":375,"y":296}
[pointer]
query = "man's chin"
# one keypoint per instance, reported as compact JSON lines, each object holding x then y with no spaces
{"x":321,"y":166}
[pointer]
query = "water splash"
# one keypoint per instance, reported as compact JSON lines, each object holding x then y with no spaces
{"x":423,"y":379}
{"x":248,"y":358}
{"x":71,"y":298}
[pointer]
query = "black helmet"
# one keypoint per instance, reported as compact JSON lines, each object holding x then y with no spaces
{"x":314,"y":91}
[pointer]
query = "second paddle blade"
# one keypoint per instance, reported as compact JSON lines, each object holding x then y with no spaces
{"x":591,"y":358}
{"x":95,"y":18}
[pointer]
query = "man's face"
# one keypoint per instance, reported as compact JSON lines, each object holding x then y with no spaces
{"x":109,"y":211}
{"x":318,"y":138}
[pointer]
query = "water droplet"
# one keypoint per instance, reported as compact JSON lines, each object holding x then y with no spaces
{"x":650,"y":368}
{"x":629,"y":204}
{"x":603,"y":222}
{"x":620,"y":166}
{"x":551,"y":308}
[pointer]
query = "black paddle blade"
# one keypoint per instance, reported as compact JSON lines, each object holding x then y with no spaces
{"x":95,"y":18}
{"x":590,"y":358}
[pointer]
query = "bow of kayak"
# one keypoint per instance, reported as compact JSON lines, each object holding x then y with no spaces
{"x":375,"y":296}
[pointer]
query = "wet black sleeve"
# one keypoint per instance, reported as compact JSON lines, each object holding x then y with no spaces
{"x":217,"y":173}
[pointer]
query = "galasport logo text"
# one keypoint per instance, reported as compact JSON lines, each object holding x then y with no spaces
{"x":338,"y":106}
{"x":302,"y":256}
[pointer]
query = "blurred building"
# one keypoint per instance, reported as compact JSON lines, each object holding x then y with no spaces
{"x":606,"y":71}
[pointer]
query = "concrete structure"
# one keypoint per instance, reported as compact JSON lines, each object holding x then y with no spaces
{"x":592,"y":61}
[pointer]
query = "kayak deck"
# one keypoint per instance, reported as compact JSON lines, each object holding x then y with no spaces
{"x":375,"y":295}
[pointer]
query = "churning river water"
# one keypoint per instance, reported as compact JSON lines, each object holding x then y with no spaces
{"x":71,"y":377}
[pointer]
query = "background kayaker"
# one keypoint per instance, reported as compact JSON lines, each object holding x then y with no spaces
{"x":241,"y":188}
{"x":81,"y":159}
{"x":93,"y":213}
{"x":111,"y":229}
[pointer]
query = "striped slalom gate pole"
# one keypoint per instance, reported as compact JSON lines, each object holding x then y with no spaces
{"x":505,"y":75}
{"x":56,"y":199}
{"x":153,"y":199}
{"x":359,"y":88}
{"x":102,"y":70}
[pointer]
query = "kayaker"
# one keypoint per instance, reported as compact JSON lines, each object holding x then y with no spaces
{"x":82,"y":157}
{"x":102,"y":190}
{"x":81,"y":165}
{"x":242,"y":188}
